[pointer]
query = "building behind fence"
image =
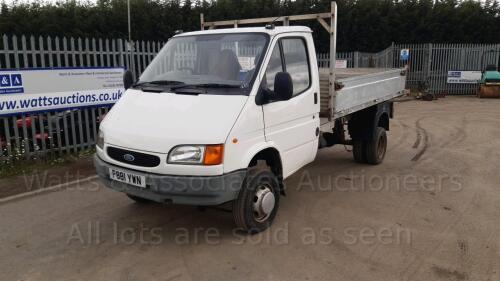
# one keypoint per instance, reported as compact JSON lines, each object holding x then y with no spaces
{"x":34,"y":135}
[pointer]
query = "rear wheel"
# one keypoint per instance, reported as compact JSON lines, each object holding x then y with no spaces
{"x":359,"y":151}
{"x":377,"y":147}
{"x":139,"y":200}
{"x":257,"y":204}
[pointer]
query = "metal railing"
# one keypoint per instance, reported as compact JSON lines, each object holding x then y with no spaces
{"x":428,"y":64}
{"x":40,"y":52}
{"x":30,"y":136}
{"x":51,"y":133}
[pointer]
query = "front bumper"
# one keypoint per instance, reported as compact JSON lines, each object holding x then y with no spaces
{"x":187,"y":190}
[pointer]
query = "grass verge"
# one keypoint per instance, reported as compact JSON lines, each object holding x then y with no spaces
{"x":24,"y":166}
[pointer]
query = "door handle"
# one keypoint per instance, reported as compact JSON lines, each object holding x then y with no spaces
{"x":315,"y":98}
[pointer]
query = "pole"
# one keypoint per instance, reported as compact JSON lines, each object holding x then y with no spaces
{"x":429,"y":69}
{"x":333,"y":55}
{"x":128,"y":20}
{"x":131,"y":66}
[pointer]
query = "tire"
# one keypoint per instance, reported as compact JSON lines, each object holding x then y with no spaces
{"x":139,"y":200}
{"x":376,"y":149}
{"x":252,"y":211}
{"x":359,"y":151}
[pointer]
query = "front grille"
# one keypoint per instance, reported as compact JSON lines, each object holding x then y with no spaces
{"x":133,"y":158}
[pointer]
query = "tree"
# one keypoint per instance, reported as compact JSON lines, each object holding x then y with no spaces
{"x":364,"y":25}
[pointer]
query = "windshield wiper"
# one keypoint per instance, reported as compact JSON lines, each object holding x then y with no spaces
{"x":159,"y":82}
{"x":205,"y":85}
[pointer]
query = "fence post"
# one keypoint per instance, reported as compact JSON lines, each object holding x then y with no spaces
{"x":132,"y":58}
{"x":15,"y":50}
{"x":498,"y":55}
{"x":356,"y":59}
{"x":6,"y":50}
{"x":120,"y":53}
{"x":391,"y":57}
{"x":429,"y":68}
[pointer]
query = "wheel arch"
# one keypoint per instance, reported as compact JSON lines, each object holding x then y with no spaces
{"x":272,"y":157}
{"x":363,"y":123}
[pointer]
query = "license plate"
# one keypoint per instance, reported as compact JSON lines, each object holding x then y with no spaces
{"x":127,"y":177}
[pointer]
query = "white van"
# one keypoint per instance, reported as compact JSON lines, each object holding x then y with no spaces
{"x":228,"y":114}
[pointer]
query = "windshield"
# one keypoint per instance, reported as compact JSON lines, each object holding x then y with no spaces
{"x":228,"y":60}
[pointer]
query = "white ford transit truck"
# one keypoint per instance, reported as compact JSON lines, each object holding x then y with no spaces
{"x":226,"y":115}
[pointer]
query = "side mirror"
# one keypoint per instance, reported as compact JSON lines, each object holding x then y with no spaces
{"x":283,"y":86}
{"x":128,"y":79}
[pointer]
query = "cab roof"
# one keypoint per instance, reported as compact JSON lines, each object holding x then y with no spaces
{"x":271,"y":32}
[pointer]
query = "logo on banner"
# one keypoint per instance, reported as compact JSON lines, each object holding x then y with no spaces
{"x":11,"y":84}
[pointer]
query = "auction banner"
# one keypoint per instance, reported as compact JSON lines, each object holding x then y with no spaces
{"x":46,"y":89}
{"x":463,"y":77}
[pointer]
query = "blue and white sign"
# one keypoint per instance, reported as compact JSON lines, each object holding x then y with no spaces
{"x":11,"y":83}
{"x":31,"y":90}
{"x":405,"y":54}
{"x":463,"y":77}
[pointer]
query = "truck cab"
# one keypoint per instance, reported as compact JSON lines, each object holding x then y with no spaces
{"x":219,"y":115}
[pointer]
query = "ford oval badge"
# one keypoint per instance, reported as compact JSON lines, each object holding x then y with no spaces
{"x":129,"y":157}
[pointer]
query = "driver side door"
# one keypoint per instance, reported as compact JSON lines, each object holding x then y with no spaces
{"x":293,"y":125}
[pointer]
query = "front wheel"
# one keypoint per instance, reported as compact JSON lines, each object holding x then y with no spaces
{"x":257,"y":204}
{"x":377,"y":147}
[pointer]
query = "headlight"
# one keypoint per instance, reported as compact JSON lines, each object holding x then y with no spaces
{"x":197,"y":154}
{"x":189,"y":154}
{"x":100,"y":140}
